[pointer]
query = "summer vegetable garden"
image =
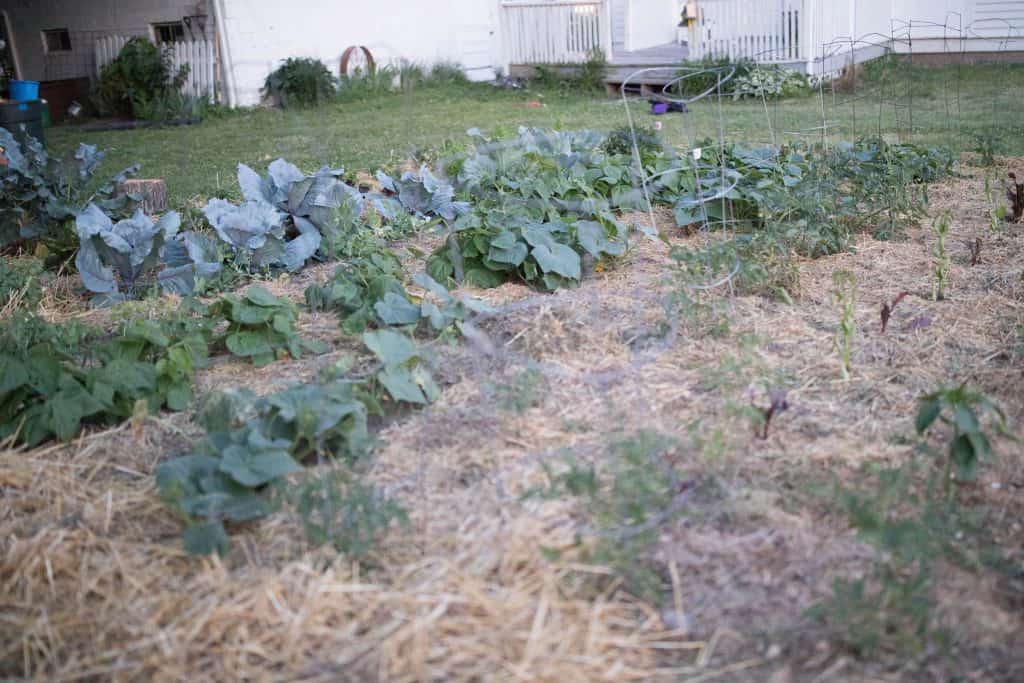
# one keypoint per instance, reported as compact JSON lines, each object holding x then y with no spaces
{"x":542,"y":404}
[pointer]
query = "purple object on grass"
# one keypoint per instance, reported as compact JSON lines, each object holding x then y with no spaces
{"x":659,"y":108}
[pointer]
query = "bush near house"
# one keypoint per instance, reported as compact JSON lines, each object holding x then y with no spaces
{"x":138,"y":80}
{"x":300,"y":81}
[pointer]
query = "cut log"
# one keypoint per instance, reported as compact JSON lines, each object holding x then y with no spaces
{"x":152,"y":190}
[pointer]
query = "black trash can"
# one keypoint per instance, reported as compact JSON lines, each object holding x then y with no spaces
{"x":23,"y":118}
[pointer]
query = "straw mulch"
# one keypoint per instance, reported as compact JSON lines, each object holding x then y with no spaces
{"x":485,"y":584}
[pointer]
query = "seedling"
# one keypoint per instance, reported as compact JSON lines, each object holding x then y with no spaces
{"x":845,"y":297}
{"x":941,"y":254}
{"x":888,"y":308}
{"x":963,"y":410}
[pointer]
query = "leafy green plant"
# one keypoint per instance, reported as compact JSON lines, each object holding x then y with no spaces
{"x":176,"y":346}
{"x":58,"y":377}
{"x":119,"y":261}
{"x":41,"y":195}
{"x":625,"y":499}
{"x":962,"y":410}
{"x":940,"y":254}
{"x":985,"y":148}
{"x":300,"y":81}
{"x":403,"y":376}
{"x":770,"y":81}
{"x":622,"y":140}
{"x":525,"y":391}
{"x":260,"y":326}
{"x":424,"y":194}
{"x":336,"y":508}
{"x":20,"y":283}
{"x":140,"y":74}
{"x":844,"y":296}
{"x":359,"y":287}
{"x":251,"y":446}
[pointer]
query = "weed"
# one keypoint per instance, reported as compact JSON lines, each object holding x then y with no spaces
{"x":940,"y":254}
{"x":985,"y":148}
{"x":336,"y":508}
{"x":625,"y":499}
{"x":20,"y":283}
{"x":525,"y":391}
{"x":844,"y":296}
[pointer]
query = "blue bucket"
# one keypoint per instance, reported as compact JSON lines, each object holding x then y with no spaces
{"x":24,"y":90}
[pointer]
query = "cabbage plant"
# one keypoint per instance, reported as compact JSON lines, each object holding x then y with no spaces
{"x":280,"y":222}
{"x":119,"y":260}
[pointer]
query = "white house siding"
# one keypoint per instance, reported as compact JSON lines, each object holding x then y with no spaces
{"x":85,"y":20}
{"x":261,"y":33}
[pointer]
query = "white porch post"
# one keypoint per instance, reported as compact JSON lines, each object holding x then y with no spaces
{"x":606,"y":29}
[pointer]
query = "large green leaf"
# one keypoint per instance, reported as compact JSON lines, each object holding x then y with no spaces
{"x":392,"y":348}
{"x":558,"y":259}
{"x":246,"y":344}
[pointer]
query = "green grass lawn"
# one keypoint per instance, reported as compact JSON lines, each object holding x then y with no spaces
{"x":946,"y":106}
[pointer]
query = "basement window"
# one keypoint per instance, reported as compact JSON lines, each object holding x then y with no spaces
{"x":56,"y":40}
{"x":171,"y":32}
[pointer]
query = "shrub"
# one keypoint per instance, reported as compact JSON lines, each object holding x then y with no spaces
{"x":700,"y":76}
{"x":140,"y":74}
{"x":300,"y":81}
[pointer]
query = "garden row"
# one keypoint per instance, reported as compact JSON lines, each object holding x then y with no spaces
{"x":531,"y":208}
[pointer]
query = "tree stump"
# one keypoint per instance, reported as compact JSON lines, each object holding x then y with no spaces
{"x":153,"y":192}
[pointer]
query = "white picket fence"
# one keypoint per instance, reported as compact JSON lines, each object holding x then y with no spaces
{"x":555,"y":32}
{"x":765,"y":30}
{"x":200,"y":55}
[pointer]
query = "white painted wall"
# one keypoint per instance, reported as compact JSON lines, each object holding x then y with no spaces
{"x":262,"y":33}
{"x":85,"y":20}
{"x":652,"y":22}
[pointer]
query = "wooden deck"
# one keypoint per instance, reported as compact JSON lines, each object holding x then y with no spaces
{"x":669,"y":54}
{"x":625,"y":64}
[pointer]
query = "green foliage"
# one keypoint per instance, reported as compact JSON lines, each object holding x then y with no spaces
{"x":584,"y":78}
{"x":366,"y":291}
{"x":41,"y":195}
{"x":772,"y":81}
{"x":709,"y":74}
{"x":299,"y":82}
{"x":962,"y":410}
{"x":20,"y":283}
{"x":58,"y":377}
{"x":625,"y":499}
{"x":404,"y":376}
{"x":940,"y":254}
{"x":251,"y":446}
{"x":338,"y":509}
{"x":985,"y":148}
{"x":525,"y":391}
{"x":260,"y":326}
{"x":844,"y":297}
{"x":175,"y":345}
{"x":141,"y":74}
{"x":622,"y":140}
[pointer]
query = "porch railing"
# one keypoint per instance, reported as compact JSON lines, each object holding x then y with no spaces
{"x":764,"y":31}
{"x":556,"y":31}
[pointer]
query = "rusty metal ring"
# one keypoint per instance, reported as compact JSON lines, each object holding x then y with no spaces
{"x":371,"y":66}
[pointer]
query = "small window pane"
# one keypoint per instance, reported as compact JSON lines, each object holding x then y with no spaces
{"x":57,"y":40}
{"x":169,"y":33}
